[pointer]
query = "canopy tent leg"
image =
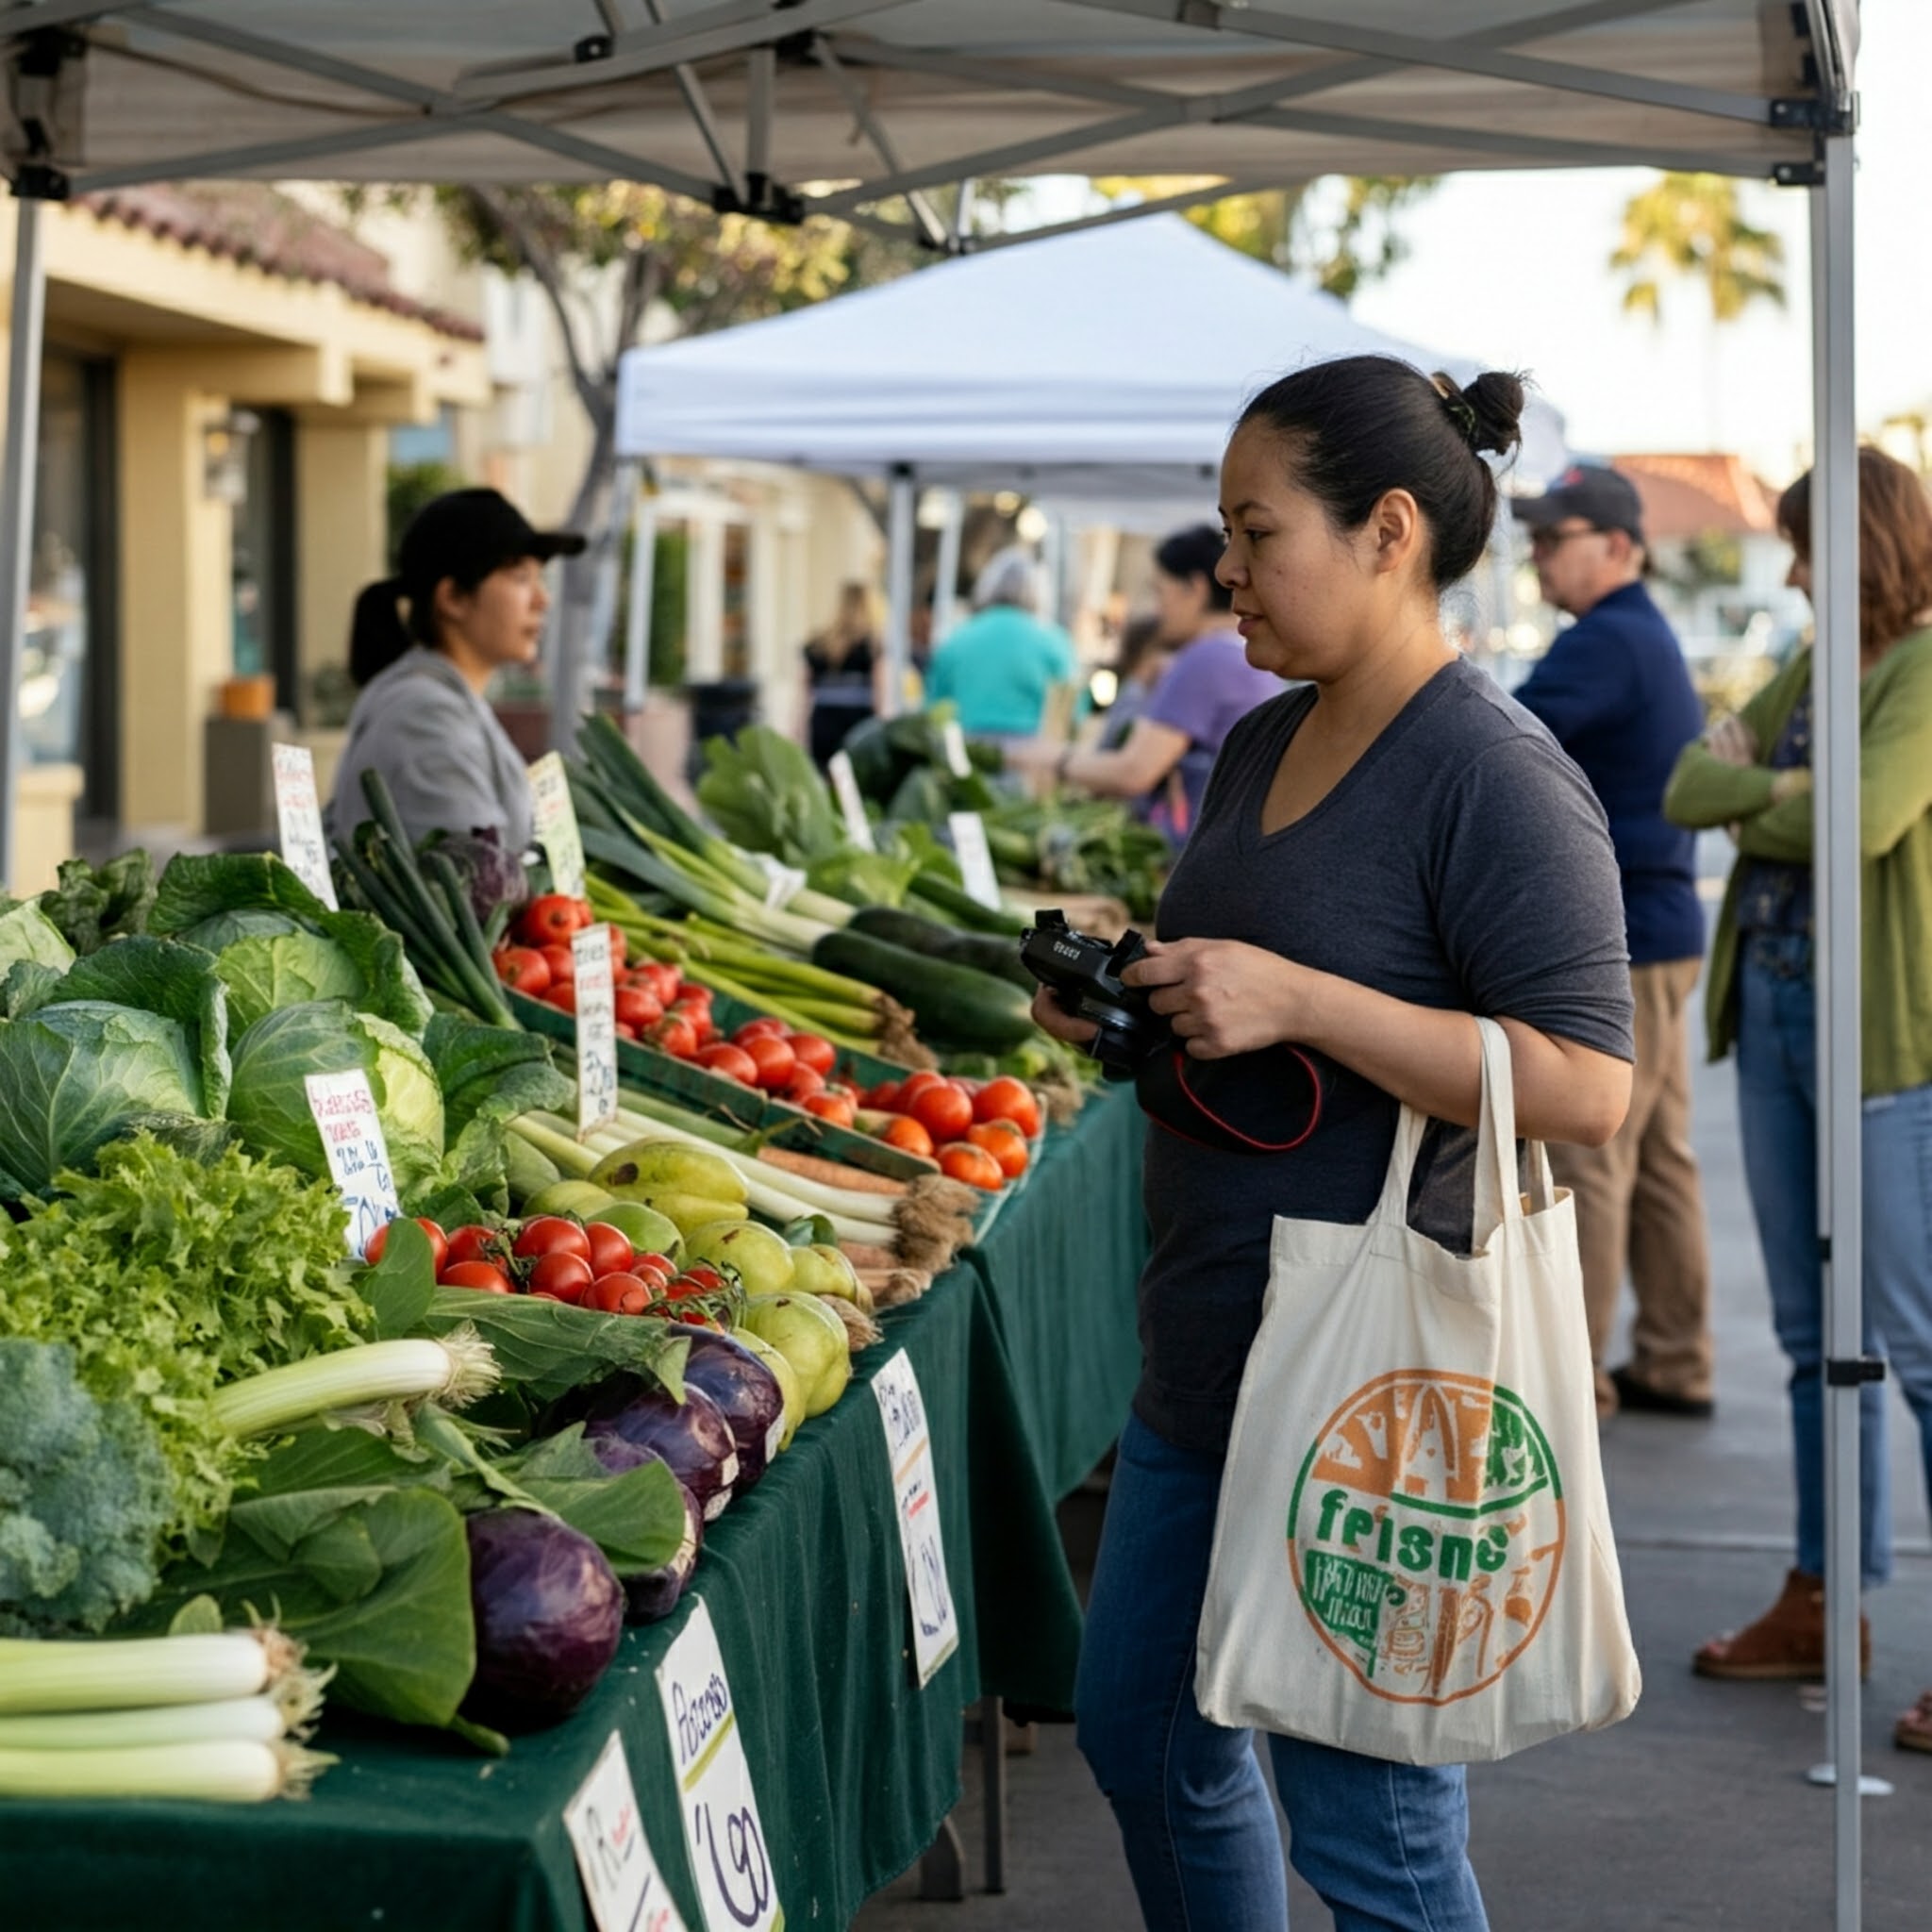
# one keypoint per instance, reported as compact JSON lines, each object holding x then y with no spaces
{"x":1836,"y":966}
{"x":17,"y":495}
{"x":901,"y":496}
{"x":643,"y":579}
{"x":946,"y":582}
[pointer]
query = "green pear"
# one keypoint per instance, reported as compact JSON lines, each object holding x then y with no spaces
{"x":647,"y":1168}
{"x":581,"y":1199}
{"x":790,"y":1387}
{"x":763,"y":1262}
{"x":823,"y":1269}
{"x":645,"y":1228}
{"x":812,"y":1339}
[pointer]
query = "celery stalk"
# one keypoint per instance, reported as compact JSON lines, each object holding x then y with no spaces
{"x":454,"y":1371}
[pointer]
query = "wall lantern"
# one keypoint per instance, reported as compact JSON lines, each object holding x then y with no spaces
{"x":224,"y":455}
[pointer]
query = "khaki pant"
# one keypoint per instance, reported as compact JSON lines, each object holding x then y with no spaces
{"x":1640,"y":1201}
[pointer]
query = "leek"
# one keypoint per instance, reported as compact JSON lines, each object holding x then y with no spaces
{"x":233,"y":1771}
{"x":453,"y":1371}
{"x":252,"y":1720}
{"x":129,"y":1673}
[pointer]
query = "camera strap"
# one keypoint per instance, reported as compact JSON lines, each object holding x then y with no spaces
{"x":1268,"y":1102}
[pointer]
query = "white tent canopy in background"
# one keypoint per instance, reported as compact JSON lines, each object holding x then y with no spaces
{"x":855,"y":106}
{"x":1097,"y":369}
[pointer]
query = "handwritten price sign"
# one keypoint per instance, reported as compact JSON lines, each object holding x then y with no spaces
{"x":345,"y":1117}
{"x":555,"y":821}
{"x":620,"y":1877}
{"x":909,"y":1449}
{"x":298,"y":814}
{"x":974,"y":856}
{"x":729,"y":1858}
{"x":596,"y":1012}
{"x":851,"y":802}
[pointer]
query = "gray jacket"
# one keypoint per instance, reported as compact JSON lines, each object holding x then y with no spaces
{"x":448,"y":763}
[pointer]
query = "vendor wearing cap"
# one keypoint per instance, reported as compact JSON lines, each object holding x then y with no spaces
{"x":1615,"y":693}
{"x":468,"y":598}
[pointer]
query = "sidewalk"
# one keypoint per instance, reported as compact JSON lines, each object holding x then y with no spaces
{"x":1693,"y":1814}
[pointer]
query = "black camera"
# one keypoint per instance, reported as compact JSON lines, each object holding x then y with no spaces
{"x":1085,"y":976}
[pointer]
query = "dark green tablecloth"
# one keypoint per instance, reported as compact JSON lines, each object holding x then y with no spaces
{"x":855,"y":1766}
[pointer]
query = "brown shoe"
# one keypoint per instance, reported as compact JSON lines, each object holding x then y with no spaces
{"x":1786,"y":1644}
{"x":1913,"y":1731}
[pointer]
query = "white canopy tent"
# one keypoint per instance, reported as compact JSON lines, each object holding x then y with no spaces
{"x":776,"y":106}
{"x":1099,"y":371}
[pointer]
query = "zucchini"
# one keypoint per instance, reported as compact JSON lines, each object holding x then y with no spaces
{"x":957,"y":906}
{"x":954,"y":1007}
{"x":979,"y":949}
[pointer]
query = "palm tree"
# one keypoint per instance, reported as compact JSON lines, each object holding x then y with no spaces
{"x":1691,"y":226}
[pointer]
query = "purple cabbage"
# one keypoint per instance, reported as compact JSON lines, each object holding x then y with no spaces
{"x":492,"y":874}
{"x":748,"y":1394}
{"x":549,"y":1613}
{"x":693,"y":1436}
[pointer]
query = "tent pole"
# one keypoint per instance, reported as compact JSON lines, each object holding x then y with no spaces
{"x":1836,"y":920}
{"x":946,"y":582}
{"x":17,"y":495}
{"x":900,"y":506}
{"x":637,"y":630}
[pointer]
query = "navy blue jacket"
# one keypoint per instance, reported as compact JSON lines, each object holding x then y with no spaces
{"x":1616,"y":695}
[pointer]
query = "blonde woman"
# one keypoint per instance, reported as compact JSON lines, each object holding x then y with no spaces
{"x":845,"y":671}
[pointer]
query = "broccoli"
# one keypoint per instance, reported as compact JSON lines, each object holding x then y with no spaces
{"x":85,"y":1497}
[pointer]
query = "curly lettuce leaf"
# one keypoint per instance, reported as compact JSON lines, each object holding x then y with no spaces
{"x":93,"y":904}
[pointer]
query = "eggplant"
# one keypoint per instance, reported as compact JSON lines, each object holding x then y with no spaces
{"x":748,"y":1394}
{"x":549,"y":1614}
{"x":693,"y":1436}
{"x":649,"y":1595}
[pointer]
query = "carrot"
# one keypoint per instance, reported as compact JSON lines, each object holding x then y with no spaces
{"x":832,"y":1173}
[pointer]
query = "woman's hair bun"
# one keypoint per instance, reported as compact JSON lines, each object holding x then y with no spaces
{"x":1489,"y":413}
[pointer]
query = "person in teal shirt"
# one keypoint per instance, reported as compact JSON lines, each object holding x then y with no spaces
{"x":999,"y":665}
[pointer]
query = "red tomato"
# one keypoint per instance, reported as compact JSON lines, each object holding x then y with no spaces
{"x":624,"y":1032}
{"x":885,"y":1096}
{"x":913,"y":1087}
{"x":620,"y":946}
{"x":812,"y":1050}
{"x":803,"y":1084}
{"x":563,"y":963}
{"x":907,"y":1134}
{"x":676,"y":1036}
{"x":638,"y":1008}
{"x":438,"y":1243}
{"x":689,"y":989}
{"x":775,"y":1062}
{"x":662,"y":979}
{"x":564,"y":998}
{"x":617,"y":1294}
{"x":752,"y":1029}
{"x":943,"y":1111}
{"x":837,"y":1107}
{"x":523,"y":968}
{"x":844,"y":1087}
{"x":1005,"y":1142}
{"x":584,"y":912}
{"x":1008,"y":1099}
{"x":476,"y":1274}
{"x":475,"y":1244}
{"x":611,"y":1253}
{"x":653,"y":1268}
{"x":721,"y":1057}
{"x":550,"y":920}
{"x":551,"y":1234}
{"x":566,"y":1277}
{"x":701,"y":1278}
{"x":973,"y":1165}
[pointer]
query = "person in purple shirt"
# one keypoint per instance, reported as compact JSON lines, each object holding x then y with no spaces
{"x":1207,"y":687}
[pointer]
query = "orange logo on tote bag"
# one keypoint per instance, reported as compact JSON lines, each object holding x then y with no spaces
{"x":1425,"y":1534}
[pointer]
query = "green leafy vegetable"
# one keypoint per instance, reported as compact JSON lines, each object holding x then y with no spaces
{"x":765,"y":793}
{"x":27,"y":933}
{"x":547,"y":1348}
{"x":93,"y":904}
{"x":197,"y":885}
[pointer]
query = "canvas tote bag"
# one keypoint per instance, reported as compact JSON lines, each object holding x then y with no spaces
{"x":1412,"y":1556}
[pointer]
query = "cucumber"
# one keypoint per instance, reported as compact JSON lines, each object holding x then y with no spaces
{"x":979,"y":949}
{"x":954,"y":902}
{"x":954,"y":1007}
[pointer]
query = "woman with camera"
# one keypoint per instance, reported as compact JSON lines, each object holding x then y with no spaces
{"x":1382,"y":855}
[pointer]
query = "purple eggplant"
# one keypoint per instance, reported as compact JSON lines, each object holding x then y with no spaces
{"x":692,"y":1435}
{"x":748,"y":1394}
{"x":653,"y":1594}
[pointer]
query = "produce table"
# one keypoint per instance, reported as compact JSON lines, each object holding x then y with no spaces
{"x":1025,"y":1357}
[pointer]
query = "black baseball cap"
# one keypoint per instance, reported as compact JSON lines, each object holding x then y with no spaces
{"x":1601,"y":496}
{"x":469,"y":533}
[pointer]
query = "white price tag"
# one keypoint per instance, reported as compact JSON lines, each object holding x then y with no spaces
{"x":729,"y":1858}
{"x":555,"y":820}
{"x":974,"y":857}
{"x":783,"y":883}
{"x":596,"y":1012}
{"x":908,"y":1448}
{"x":298,"y":814}
{"x":345,"y":1111}
{"x":954,"y":739}
{"x":845,"y":783}
{"x":621,"y":1878}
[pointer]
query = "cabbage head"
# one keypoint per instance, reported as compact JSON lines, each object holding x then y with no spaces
{"x":269,"y":1101}
{"x":79,"y":1073}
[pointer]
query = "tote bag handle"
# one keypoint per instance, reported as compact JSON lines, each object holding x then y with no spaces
{"x":1498,"y":1196}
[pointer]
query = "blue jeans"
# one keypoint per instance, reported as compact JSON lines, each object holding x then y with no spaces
{"x":1384,"y":1844}
{"x":1777,"y":1111}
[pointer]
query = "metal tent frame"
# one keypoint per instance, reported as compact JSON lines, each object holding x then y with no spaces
{"x":109,"y":93}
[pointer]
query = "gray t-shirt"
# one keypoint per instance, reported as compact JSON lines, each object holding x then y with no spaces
{"x":1463,"y":863}
{"x":448,"y":763}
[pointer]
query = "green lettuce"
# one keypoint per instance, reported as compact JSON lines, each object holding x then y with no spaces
{"x":27,"y":933}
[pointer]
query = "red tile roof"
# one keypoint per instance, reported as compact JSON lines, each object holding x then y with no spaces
{"x":1700,"y":495}
{"x":252,"y":224}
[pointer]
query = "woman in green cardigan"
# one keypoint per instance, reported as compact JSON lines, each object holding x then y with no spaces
{"x":1753,"y":773}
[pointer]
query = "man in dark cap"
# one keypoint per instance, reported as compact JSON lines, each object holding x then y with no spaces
{"x":1614,"y":692}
